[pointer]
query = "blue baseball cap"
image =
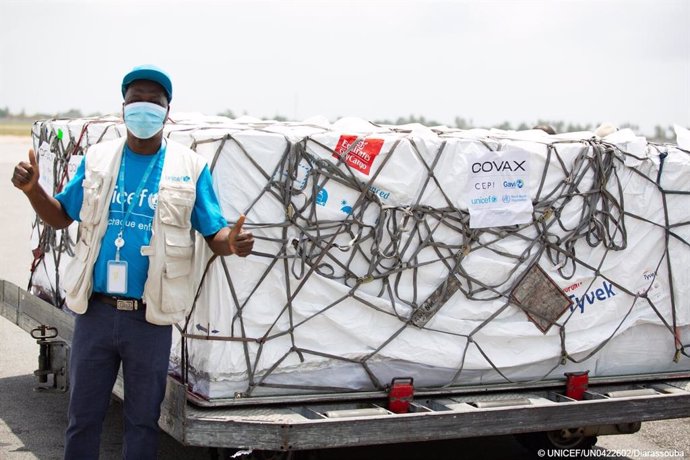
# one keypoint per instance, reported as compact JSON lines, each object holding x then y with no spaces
{"x":148,"y":72}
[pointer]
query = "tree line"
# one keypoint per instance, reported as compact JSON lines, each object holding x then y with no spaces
{"x":661,"y":133}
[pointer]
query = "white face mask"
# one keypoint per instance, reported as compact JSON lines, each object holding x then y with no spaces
{"x":144,"y":119}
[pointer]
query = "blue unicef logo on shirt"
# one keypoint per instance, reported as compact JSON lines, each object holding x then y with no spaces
{"x":140,"y":209}
{"x":153,"y":201}
{"x":150,"y":200}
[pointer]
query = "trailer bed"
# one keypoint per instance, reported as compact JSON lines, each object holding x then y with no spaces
{"x":297,"y":422}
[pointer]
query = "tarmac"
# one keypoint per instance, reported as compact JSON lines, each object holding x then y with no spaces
{"x":32,"y":423}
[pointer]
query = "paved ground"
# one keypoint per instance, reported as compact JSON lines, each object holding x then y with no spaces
{"x":31,"y":423}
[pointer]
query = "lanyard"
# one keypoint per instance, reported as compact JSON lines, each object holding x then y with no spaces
{"x":120,"y":241}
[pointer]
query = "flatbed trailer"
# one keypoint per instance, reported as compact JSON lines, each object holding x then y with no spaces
{"x":540,"y":413}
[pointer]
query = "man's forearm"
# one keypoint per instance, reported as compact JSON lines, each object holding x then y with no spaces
{"x":233,"y":240}
{"x":219,"y":242}
{"x":48,"y":208}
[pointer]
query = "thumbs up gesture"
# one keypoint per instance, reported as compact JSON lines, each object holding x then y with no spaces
{"x":25,"y":175}
{"x":239,"y":241}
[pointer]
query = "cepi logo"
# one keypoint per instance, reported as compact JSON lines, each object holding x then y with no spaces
{"x":514,"y":184}
{"x":485,"y":200}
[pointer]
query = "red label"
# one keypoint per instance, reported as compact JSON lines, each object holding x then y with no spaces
{"x":359,"y":156}
{"x":572,"y":287}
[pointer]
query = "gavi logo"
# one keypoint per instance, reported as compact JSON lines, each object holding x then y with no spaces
{"x":514,"y":184}
{"x":593,"y":296}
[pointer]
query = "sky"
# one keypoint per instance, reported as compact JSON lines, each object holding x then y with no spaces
{"x":580,"y":61}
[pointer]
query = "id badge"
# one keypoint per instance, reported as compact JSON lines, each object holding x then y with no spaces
{"x":117,"y":277}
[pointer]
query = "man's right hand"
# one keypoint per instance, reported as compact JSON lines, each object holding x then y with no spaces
{"x":26,"y":175}
{"x":25,"y":178}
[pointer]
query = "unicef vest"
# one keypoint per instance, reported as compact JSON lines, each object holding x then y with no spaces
{"x":168,"y":291}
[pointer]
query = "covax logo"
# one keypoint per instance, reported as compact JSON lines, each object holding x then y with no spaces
{"x":498,"y":166}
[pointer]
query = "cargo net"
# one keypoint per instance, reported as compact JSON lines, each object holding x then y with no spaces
{"x":367,"y":266}
{"x":59,"y":145}
{"x":349,"y":279}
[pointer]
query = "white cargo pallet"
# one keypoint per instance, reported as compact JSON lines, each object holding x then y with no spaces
{"x":350,"y":283}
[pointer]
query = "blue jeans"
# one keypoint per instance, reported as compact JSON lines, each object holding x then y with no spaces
{"x":103,"y":338}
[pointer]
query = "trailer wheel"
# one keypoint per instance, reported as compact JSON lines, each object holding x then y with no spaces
{"x":567,"y":438}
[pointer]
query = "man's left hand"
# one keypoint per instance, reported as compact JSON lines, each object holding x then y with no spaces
{"x":240,"y":242}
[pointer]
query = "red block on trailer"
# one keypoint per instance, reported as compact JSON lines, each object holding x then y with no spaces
{"x":401,"y":395}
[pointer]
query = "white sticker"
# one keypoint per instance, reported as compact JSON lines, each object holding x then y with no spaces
{"x":498,"y":189}
{"x":74,"y":162}
{"x":46,"y":167}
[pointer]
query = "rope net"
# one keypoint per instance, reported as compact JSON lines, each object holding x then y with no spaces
{"x":369,"y":262}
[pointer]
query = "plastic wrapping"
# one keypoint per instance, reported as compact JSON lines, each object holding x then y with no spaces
{"x":362,"y":230}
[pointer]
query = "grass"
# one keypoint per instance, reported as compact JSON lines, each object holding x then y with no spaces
{"x":15,"y":129}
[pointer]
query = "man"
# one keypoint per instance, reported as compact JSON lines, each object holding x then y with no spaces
{"x":137,"y":200}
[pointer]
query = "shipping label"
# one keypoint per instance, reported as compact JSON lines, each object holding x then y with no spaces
{"x":358,"y":154}
{"x":498,"y":188}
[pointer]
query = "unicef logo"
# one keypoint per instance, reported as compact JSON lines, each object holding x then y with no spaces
{"x":153,"y":201}
{"x":484,"y":200}
{"x":345,"y":207}
{"x":322,"y":197}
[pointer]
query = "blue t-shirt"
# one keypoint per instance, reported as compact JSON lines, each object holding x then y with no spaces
{"x":207,"y":217}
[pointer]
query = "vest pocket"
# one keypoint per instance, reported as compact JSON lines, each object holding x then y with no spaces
{"x":178,"y":244}
{"x":175,"y":203}
{"x":176,"y":289}
{"x":91,"y":204}
{"x":76,"y":268}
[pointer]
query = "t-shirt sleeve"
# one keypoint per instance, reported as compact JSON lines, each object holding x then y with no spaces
{"x":207,"y":216}
{"x":72,"y":194}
